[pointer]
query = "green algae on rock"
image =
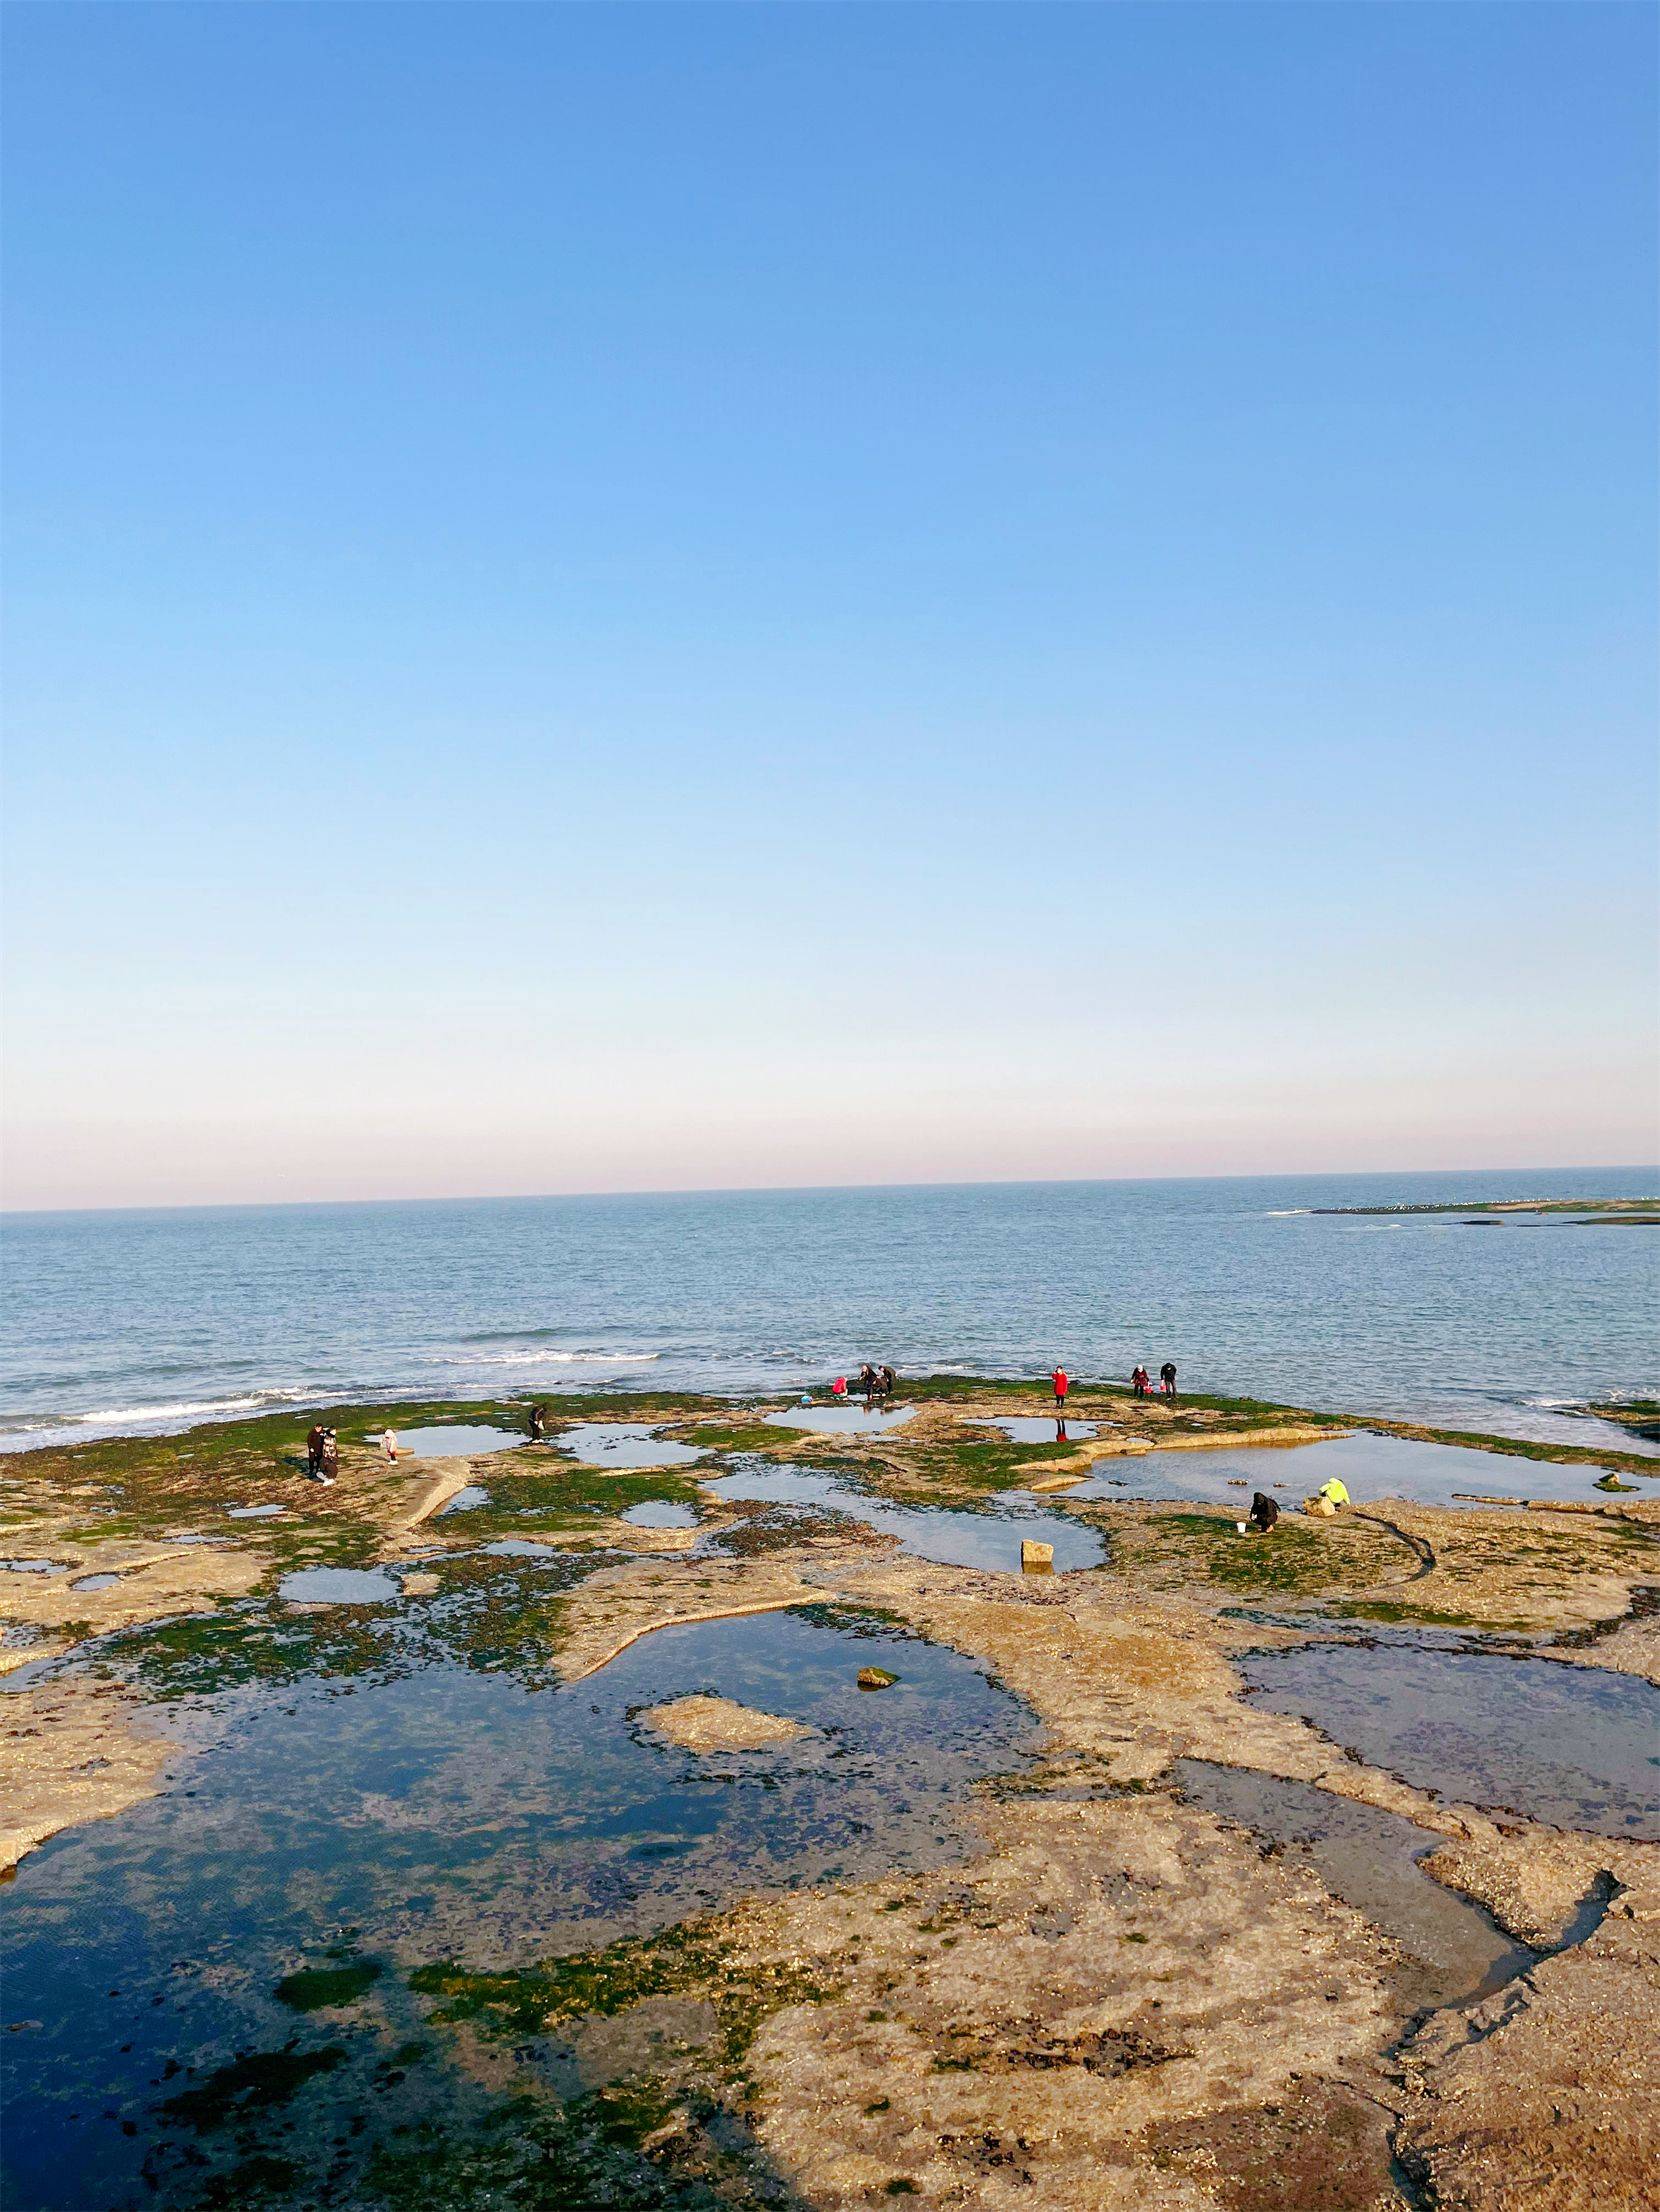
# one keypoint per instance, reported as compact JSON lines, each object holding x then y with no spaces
{"x":323,"y":1988}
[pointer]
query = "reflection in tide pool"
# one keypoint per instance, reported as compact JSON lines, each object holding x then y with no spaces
{"x":1370,"y":1466}
{"x":337,"y":1586}
{"x":449,"y":1814}
{"x":455,"y":1440}
{"x":659,"y":1513}
{"x":1030,"y":1428}
{"x":1571,"y":1746}
{"x":841,"y":1420}
{"x":624,"y":1444}
{"x":956,"y":1539}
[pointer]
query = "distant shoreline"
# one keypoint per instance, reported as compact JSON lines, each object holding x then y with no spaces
{"x":42,"y":1212}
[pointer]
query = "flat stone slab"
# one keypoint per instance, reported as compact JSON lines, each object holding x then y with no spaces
{"x":717,"y":1724}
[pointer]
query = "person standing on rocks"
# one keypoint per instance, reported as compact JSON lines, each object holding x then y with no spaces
{"x":1062,"y":1384}
{"x":538,"y":1423}
{"x":1139,"y":1379}
{"x":314,"y":1450}
{"x":1167,"y":1376}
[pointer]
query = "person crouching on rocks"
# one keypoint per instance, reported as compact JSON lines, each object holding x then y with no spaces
{"x":538,"y":1423}
{"x":1327,"y":1499}
{"x":1263,"y":1514}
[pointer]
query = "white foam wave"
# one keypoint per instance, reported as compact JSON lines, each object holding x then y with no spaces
{"x":22,"y":1434}
{"x":1286,"y":1213}
{"x":183,"y":1408}
{"x":543,"y":1357}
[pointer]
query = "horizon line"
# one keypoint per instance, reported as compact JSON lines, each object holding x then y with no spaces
{"x":804,"y":1190}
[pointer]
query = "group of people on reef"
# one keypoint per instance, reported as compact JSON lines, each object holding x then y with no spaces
{"x":877,"y":1385}
{"x":1265,"y":1512}
{"x":874,"y":1382}
{"x":1144,"y":1387}
{"x":1140,"y":1382}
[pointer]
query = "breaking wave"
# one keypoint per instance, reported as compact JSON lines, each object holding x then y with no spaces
{"x":20,"y":1432}
{"x":543,"y":1356}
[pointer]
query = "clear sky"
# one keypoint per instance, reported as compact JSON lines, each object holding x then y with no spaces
{"x":619,"y":596}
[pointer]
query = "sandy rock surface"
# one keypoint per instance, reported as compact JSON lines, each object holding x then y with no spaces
{"x":1547,"y":2097}
{"x":705,"y":1723}
{"x":71,"y":1752}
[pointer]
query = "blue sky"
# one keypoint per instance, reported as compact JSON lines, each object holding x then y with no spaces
{"x":625,"y":597}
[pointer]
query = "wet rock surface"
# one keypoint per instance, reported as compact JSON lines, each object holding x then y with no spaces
{"x":705,"y":1723}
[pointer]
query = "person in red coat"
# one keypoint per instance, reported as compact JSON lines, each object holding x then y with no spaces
{"x":1062,"y":1386}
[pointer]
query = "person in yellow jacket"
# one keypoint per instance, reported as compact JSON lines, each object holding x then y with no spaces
{"x":1327,"y":1499}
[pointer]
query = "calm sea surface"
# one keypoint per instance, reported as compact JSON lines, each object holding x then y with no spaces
{"x":139,"y":1321}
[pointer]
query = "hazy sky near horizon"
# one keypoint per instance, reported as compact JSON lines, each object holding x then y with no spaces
{"x":629,"y":597}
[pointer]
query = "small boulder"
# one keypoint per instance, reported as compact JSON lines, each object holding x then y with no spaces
{"x":876,"y":1678}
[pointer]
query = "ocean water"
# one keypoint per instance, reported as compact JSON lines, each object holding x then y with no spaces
{"x":150,"y":1321}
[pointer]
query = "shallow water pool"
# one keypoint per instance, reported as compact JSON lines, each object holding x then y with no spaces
{"x":337,"y":1586}
{"x":1575,"y":1747}
{"x":955,"y":1538}
{"x":849,"y":1420}
{"x":625,"y":1444}
{"x":1030,"y":1428}
{"x":456,"y":1440}
{"x":659,"y":1513}
{"x":1371,"y":1467}
{"x":450,"y":1814}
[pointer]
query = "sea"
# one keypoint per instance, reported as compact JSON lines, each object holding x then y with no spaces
{"x":147,"y":1322}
